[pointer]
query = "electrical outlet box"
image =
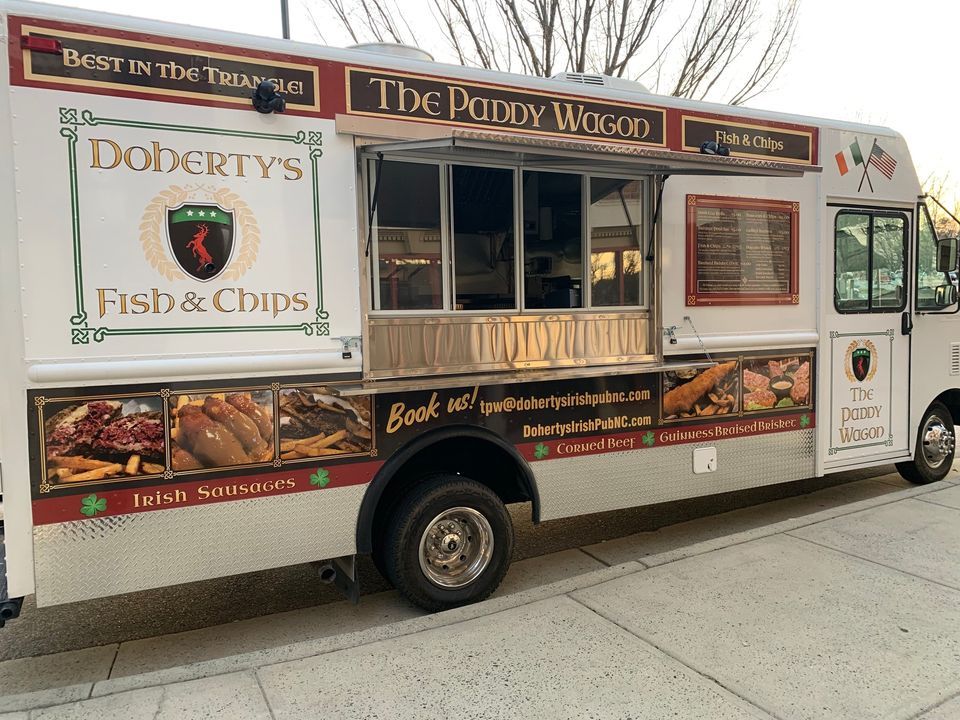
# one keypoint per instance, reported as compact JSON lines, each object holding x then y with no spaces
{"x":704,"y":460}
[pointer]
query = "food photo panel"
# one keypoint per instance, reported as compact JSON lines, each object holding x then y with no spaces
{"x":211,"y":430}
{"x":109,"y":439}
{"x":316,"y":423}
{"x":710,"y":392}
{"x":776,"y":383}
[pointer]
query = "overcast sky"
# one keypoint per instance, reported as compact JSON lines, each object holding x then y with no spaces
{"x":878,"y":61}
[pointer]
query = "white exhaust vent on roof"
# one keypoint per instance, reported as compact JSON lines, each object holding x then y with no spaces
{"x":396,"y":49}
{"x":598,"y":80}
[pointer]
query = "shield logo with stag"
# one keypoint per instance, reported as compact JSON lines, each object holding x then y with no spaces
{"x":201,"y":238}
{"x":860,"y":363}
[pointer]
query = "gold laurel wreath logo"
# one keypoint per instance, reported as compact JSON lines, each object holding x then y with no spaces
{"x":150,"y":226}
{"x":154,"y":217}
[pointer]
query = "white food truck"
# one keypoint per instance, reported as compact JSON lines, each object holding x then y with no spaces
{"x":266,"y":303}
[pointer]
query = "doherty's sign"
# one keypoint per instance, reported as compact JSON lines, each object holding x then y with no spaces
{"x":412,"y":97}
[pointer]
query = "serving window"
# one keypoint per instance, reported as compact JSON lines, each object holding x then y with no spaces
{"x":484,"y":257}
{"x":461,"y":237}
{"x":616,"y":262}
{"x":409,"y":251}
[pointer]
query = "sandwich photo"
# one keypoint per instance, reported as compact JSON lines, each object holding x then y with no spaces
{"x":314,"y":422}
{"x":103,"y":440}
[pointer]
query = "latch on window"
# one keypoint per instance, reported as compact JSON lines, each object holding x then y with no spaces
{"x":348,"y":345}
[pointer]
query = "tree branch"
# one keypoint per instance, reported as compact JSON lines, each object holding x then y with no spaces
{"x":708,"y":44}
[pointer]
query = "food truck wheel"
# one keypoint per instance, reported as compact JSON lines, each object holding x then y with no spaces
{"x":449,"y":543}
{"x":933,"y":457}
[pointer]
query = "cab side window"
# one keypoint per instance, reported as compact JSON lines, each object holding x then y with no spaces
{"x":928,"y":277}
{"x":870,"y":261}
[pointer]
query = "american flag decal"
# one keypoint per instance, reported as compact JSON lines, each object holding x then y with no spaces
{"x":882,"y":161}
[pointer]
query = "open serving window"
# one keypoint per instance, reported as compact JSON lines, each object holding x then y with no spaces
{"x":493,"y":251}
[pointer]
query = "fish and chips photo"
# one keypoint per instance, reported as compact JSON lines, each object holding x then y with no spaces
{"x":701,"y":393}
{"x":103,"y":440}
{"x":316,"y":423}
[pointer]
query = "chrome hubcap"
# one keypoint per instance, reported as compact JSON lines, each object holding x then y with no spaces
{"x":456,"y":547}
{"x":938,"y":443}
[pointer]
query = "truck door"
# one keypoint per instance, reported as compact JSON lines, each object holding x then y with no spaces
{"x":867,"y":355}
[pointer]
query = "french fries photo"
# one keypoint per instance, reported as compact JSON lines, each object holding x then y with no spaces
{"x":314,"y":446}
{"x":78,"y":463}
{"x":133,"y":465}
{"x":98,"y":474}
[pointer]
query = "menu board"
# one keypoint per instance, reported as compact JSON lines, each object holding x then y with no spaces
{"x":742,"y":251}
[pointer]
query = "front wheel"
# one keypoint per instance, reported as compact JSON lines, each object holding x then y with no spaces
{"x":936,"y":443}
{"x":448,"y":544}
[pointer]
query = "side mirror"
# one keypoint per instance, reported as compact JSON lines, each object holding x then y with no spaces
{"x":947,"y":255}
{"x":946,"y":295}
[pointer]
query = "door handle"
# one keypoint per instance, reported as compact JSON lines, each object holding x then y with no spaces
{"x":906,"y":323}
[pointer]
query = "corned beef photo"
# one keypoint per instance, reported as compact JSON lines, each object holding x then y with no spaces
{"x":103,"y":440}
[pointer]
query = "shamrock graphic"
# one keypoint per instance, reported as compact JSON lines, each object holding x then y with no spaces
{"x":648,"y":438}
{"x":91,"y":505}
{"x":541,"y":451}
{"x":804,"y":421}
{"x":321,"y":478}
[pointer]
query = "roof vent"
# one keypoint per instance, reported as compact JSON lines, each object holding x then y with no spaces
{"x":598,"y":80}
{"x":396,"y":49}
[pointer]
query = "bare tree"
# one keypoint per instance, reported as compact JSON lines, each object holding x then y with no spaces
{"x":942,"y":188}
{"x":718,"y":47}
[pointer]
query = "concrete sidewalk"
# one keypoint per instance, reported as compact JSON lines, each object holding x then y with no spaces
{"x":785,"y":610}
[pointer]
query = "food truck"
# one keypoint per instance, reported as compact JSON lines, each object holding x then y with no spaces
{"x":267,"y":303}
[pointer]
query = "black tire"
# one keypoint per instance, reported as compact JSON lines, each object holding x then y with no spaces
{"x":922,"y":470}
{"x":400,"y":552}
{"x":378,"y":561}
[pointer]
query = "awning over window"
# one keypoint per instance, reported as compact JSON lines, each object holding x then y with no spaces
{"x":477,"y":146}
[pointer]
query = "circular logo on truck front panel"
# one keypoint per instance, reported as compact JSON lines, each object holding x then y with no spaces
{"x":209,"y":233}
{"x":860,"y":363}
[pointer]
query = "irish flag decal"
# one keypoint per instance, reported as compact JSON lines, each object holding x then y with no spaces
{"x":848,"y":157}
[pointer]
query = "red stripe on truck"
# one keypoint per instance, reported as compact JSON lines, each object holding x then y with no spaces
{"x":311,"y":478}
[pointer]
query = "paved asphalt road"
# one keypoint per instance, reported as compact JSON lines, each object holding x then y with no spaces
{"x":213,"y":602}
